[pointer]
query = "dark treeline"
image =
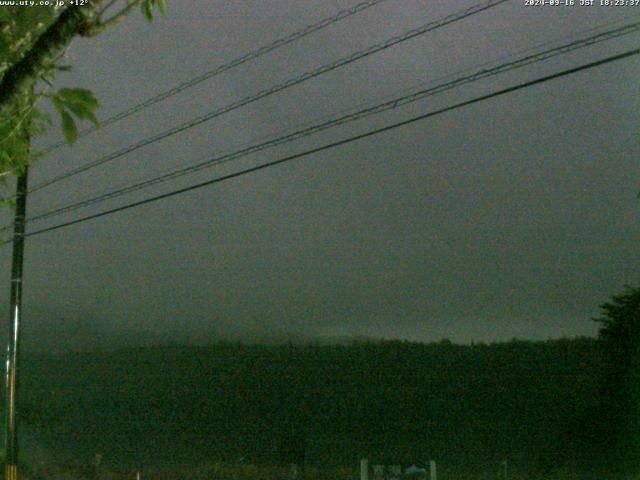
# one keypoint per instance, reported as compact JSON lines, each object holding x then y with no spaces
{"x":535,"y":404}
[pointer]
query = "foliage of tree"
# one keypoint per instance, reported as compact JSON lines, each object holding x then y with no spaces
{"x":620,"y":324}
{"x":620,"y":349}
{"x":33,"y":42}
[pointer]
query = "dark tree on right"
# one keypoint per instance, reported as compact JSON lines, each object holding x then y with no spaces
{"x":619,"y":422}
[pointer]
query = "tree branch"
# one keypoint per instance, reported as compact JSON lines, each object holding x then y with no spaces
{"x":73,"y":21}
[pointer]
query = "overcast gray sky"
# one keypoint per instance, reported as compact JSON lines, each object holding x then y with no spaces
{"x":514,"y":217}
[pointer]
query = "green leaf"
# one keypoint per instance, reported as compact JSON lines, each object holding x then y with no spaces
{"x":162,"y":6}
{"x":91,"y":117}
{"x":79,"y":96}
{"x":58,"y":104}
{"x":82,"y":113}
{"x":80,"y":101}
{"x":69,"y":128}
{"x":146,"y":10}
{"x":5,"y":159}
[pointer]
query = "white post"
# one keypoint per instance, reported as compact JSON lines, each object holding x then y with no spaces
{"x":364,"y":469}
{"x":137,"y":475}
{"x":432,"y":470}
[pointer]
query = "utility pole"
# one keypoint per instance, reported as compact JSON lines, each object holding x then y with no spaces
{"x":15,"y":314}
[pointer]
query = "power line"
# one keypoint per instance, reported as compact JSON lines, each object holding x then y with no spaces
{"x":345,"y":141}
{"x":268,"y":138}
{"x":247,"y":57}
{"x":309,"y":130}
{"x":278,"y":88}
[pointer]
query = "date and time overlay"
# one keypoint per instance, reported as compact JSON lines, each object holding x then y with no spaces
{"x":582,"y":3}
{"x":527,"y":3}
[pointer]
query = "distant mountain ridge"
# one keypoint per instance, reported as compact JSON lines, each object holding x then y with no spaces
{"x":342,"y":397}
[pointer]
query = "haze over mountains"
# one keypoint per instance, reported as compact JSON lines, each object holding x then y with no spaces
{"x":87,"y":333}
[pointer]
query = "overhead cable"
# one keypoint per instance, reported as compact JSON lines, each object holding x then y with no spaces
{"x":247,"y":57}
{"x":345,"y":141}
{"x":376,"y":109}
{"x":480,"y":7}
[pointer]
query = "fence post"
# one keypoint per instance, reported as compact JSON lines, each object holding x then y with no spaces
{"x":364,"y":469}
{"x":432,"y":470}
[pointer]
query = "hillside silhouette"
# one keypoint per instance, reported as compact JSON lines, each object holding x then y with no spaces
{"x":468,"y":407}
